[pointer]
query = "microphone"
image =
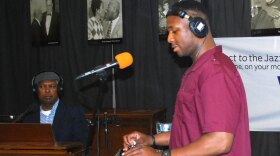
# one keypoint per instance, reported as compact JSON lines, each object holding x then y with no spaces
{"x":123,"y":60}
{"x":31,"y":108}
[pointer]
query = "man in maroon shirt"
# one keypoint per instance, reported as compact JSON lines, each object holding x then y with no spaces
{"x":211,"y":116}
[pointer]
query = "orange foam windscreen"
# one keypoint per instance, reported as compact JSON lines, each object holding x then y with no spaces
{"x":124,"y":59}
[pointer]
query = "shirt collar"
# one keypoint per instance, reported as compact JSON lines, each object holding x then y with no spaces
{"x":114,"y":22}
{"x":205,"y":57}
{"x":53,"y":107}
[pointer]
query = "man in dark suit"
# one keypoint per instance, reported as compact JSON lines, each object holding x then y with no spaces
{"x":68,"y":121}
{"x":50,"y":24}
{"x":36,"y":27}
{"x":113,"y":20}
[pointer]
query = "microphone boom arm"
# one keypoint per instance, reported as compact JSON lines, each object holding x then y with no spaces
{"x":97,"y":70}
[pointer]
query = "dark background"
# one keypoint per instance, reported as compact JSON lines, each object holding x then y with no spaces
{"x":151,"y":82}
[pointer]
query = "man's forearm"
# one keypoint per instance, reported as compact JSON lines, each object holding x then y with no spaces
{"x":162,"y":139}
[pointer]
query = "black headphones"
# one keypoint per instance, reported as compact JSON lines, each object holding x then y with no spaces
{"x":197,"y":25}
{"x":59,"y":85}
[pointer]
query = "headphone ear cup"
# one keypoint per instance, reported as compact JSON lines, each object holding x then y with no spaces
{"x":199,"y":27}
{"x":60,"y":86}
{"x":34,"y":88}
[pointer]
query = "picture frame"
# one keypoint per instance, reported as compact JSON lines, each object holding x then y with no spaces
{"x":102,"y":25}
{"x":264,"y":19}
{"x":163,"y":6}
{"x":45,"y":22}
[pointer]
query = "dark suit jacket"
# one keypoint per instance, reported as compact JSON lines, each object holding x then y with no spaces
{"x":54,"y":30}
{"x":69,"y":123}
{"x":117,"y":31}
{"x":36,"y":32}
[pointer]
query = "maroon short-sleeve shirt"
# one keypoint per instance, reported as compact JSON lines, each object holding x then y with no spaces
{"x":211,"y":98}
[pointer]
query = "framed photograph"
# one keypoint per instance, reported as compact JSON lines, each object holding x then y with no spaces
{"x":45,"y":22}
{"x":105,"y":21}
{"x":265,"y":17}
{"x":163,"y":6}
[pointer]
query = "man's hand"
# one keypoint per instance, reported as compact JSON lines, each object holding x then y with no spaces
{"x":134,"y":139}
{"x":141,"y":150}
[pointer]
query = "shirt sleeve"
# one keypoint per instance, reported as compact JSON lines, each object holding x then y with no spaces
{"x":221,"y":103}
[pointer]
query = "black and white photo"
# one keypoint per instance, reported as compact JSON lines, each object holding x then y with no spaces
{"x":105,"y":22}
{"x":162,"y":11}
{"x":45,"y":22}
{"x":265,"y":17}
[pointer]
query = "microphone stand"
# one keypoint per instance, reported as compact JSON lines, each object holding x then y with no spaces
{"x":102,"y":77}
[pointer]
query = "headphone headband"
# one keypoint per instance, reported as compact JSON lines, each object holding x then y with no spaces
{"x":197,"y":25}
